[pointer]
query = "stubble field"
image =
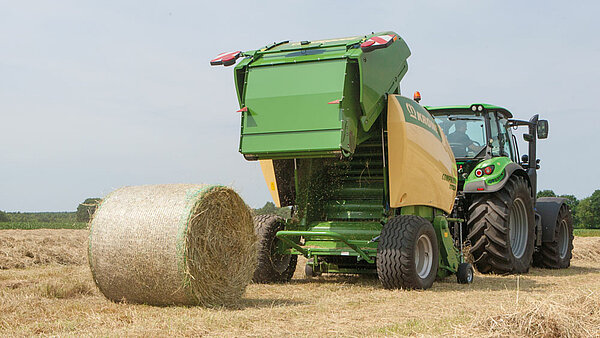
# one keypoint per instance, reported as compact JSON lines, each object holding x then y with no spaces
{"x":46,"y":289}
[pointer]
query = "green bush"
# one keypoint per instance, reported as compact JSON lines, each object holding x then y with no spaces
{"x":4,"y":217}
{"x":86,"y":209}
{"x":588,"y":212}
{"x":270,"y":208}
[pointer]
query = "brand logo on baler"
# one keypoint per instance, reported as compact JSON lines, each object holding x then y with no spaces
{"x":414,"y":116}
{"x":450,"y":179}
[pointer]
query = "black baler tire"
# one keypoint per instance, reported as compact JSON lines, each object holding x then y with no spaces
{"x":266,"y":227}
{"x":549,"y":256}
{"x":464,"y":274}
{"x":489,"y":229}
{"x":309,"y":272}
{"x":396,"y":253}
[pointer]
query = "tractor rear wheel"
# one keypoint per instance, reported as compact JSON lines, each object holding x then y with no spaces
{"x":557,"y":254}
{"x":502,"y":229}
{"x":272,"y":267}
{"x":407,"y":253}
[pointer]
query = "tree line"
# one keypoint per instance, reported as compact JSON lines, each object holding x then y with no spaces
{"x":586,"y":212}
{"x":37,"y":217}
{"x":86,"y":209}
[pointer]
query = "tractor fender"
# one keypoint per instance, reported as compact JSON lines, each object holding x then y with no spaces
{"x":478,"y":186}
{"x":548,"y":208}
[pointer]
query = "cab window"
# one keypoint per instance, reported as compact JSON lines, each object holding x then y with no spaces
{"x":505,"y":138}
{"x":500,"y":136}
{"x":494,"y":134}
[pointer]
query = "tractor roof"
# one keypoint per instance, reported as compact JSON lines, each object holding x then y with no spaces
{"x":486,"y":106}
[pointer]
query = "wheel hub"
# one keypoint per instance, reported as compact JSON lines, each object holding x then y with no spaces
{"x":563,"y":239}
{"x":423,"y":256}
{"x":518,"y":228}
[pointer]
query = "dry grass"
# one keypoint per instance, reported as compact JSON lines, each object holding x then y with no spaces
{"x":62,"y":300}
{"x":26,"y":248}
{"x":587,"y":249}
{"x":576,"y":314}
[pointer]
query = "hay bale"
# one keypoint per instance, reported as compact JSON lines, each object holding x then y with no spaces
{"x":173,"y":244}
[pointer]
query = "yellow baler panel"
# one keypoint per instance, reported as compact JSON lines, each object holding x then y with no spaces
{"x":269,"y":173}
{"x":422,"y":170}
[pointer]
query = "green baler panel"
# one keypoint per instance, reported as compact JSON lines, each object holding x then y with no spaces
{"x":380,"y":74}
{"x":286,"y":88}
{"x":291,"y":143}
{"x":288,"y":107}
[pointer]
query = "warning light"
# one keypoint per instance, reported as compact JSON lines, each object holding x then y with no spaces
{"x":417,"y":96}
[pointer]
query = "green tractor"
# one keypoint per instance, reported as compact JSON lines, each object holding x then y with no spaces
{"x":508,"y":228}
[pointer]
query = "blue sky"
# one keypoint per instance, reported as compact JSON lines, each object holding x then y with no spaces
{"x":98,"y":95}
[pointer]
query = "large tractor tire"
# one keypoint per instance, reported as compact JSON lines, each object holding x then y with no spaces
{"x":407,"y":253}
{"x":272,"y":267}
{"x":558,"y":253}
{"x":502,"y":229}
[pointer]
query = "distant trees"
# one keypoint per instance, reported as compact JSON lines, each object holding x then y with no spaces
{"x":270,"y":208}
{"x":586,"y":212}
{"x":546,"y":193}
{"x":41,"y":217}
{"x":86,"y":209}
{"x":4,"y":217}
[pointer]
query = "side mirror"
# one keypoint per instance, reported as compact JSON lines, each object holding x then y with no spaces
{"x":542,"y":129}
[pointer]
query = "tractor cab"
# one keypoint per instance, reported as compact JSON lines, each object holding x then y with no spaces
{"x":476,"y":132}
{"x":482,"y":141}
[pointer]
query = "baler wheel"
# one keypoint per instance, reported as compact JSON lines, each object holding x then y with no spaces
{"x":407,"y":254}
{"x":464,"y":275}
{"x":272,"y":267}
{"x":502,"y":229}
{"x":557,"y":254}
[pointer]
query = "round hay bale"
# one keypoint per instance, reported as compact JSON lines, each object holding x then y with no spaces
{"x":169,"y":244}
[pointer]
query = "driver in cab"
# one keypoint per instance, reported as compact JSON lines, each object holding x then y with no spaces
{"x":460,"y":142}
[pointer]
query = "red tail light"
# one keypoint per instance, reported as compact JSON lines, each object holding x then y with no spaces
{"x":376,"y":42}
{"x":226,"y":59}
